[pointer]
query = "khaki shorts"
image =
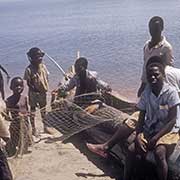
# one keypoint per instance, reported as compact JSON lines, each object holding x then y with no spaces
{"x":37,"y":99}
{"x":168,"y":139}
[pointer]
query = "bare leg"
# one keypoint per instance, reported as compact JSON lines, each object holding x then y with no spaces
{"x":129,"y":162}
{"x":32,"y":120}
{"x":122,"y":133}
{"x":162,"y":167}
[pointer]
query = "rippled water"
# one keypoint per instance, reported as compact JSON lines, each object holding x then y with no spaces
{"x":111,"y":34}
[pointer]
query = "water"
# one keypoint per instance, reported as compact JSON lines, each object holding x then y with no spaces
{"x":111,"y":34}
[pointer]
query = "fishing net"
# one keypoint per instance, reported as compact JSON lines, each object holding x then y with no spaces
{"x":68,"y":116}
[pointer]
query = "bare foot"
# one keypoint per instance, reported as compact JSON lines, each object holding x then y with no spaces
{"x":98,"y":149}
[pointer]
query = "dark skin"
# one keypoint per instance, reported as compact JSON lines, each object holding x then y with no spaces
{"x":36,"y":60}
{"x":155,"y":79}
{"x":17,"y":87}
{"x":155,"y":30}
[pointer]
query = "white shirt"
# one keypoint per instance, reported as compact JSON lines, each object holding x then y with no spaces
{"x":173,"y":77}
{"x":163,"y":49}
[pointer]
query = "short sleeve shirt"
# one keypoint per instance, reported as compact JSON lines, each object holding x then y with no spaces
{"x":157,"y":108}
{"x":37,"y":77}
{"x":163,"y":49}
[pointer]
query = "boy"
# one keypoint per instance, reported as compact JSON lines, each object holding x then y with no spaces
{"x":84,"y":80}
{"x":157,"y":128}
{"x":2,"y":81}
{"x":157,"y":46}
{"x":17,"y":105}
{"x":36,"y":75}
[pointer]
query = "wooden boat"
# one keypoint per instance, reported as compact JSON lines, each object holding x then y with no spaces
{"x":70,"y":119}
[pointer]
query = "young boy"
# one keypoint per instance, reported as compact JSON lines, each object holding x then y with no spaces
{"x":157,"y":46}
{"x":36,"y":75}
{"x":2,"y":81}
{"x":17,"y":105}
{"x":157,"y":128}
{"x":84,"y":80}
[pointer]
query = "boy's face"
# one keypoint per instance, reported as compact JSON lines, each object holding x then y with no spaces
{"x":37,"y":58}
{"x":18,"y":86}
{"x":79,"y":68}
{"x":155,"y":30}
{"x":154,"y":76}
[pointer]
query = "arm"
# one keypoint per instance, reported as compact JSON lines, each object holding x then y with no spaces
{"x":103,"y":85}
{"x":139,"y":126}
{"x":169,"y":58}
{"x":171,"y":122}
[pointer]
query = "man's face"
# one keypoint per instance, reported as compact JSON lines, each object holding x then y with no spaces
{"x":155,"y":29}
{"x":37,"y":58}
{"x":18,"y":86}
{"x":79,"y":68}
{"x":154,"y":76}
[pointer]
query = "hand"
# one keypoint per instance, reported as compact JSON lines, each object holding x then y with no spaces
{"x":152,"y":142}
{"x":141,"y":142}
{"x":108,"y":88}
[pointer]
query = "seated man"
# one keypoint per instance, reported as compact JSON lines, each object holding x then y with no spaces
{"x":84,"y":80}
{"x":172,"y":78}
{"x":157,"y":128}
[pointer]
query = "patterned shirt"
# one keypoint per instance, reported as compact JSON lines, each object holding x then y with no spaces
{"x":157,"y":108}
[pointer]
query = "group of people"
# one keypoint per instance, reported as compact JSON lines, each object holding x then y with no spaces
{"x":157,"y":127}
{"x":20,"y":107}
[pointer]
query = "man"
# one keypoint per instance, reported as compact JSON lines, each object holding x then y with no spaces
{"x":157,"y":128}
{"x":157,"y":46}
{"x":84,"y":80}
{"x":172,"y":77}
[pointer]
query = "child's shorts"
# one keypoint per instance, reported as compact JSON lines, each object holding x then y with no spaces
{"x":37,"y":99}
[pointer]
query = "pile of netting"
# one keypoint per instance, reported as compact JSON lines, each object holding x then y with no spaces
{"x":68,"y":116}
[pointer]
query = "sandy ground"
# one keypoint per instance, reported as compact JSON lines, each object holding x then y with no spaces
{"x":51,"y":159}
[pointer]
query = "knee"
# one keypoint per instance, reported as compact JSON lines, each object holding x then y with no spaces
{"x":160,"y":153}
{"x":131,"y":148}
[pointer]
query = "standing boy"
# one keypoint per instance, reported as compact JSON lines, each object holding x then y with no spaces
{"x":156,"y":46}
{"x":36,"y":75}
{"x":17,"y":105}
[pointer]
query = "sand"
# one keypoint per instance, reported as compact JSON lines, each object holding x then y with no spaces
{"x":51,"y":159}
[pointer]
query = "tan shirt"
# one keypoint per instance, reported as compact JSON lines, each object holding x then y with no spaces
{"x":37,"y":77}
{"x":163,"y":49}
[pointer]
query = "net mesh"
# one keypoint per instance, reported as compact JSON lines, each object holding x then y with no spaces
{"x":67,"y":116}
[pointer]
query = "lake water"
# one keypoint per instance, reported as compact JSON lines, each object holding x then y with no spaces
{"x":111,"y":34}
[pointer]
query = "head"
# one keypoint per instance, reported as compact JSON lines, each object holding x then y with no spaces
{"x":155,"y":72}
{"x":35,"y":56}
{"x":156,"y":26}
{"x":80,"y":65}
{"x":17,"y":85}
